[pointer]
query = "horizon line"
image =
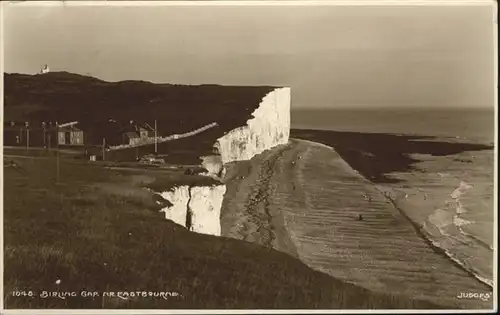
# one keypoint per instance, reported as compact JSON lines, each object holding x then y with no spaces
{"x":392,"y":107}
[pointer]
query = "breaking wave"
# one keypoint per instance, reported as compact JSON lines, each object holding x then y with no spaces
{"x":443,"y":229}
{"x":449,"y":223}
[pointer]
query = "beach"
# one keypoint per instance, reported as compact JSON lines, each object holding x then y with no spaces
{"x":453,"y":204}
{"x":435,"y":165}
{"x":307,"y":201}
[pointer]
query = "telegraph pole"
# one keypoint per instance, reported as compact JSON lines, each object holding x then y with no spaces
{"x":156,"y":138}
{"x":27,"y":137}
{"x":49,"y":136}
{"x":103,"y":147}
{"x":57,"y":153}
{"x":44,"y":135}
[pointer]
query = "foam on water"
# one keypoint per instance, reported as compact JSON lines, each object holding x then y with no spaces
{"x":460,"y":190}
{"x":443,"y":228}
{"x":460,"y":262}
{"x":441,"y":219}
{"x":448,"y":222}
{"x":461,"y":209}
{"x":460,"y":222}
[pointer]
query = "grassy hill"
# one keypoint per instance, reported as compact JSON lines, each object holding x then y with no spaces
{"x":64,"y":97}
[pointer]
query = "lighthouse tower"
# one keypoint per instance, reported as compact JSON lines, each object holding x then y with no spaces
{"x":45,"y":69}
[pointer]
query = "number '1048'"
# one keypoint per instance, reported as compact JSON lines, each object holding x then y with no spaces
{"x":23,"y":293}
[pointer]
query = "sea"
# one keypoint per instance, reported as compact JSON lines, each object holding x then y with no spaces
{"x":451,"y":198}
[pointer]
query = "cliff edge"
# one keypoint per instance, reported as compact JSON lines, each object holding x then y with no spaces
{"x":269,"y":127}
{"x":198,"y":207}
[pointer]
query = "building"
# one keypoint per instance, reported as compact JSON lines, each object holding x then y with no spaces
{"x":137,"y":133}
{"x":45,"y":69}
{"x":70,"y":135}
{"x":131,"y":137}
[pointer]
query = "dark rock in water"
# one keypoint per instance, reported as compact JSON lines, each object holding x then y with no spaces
{"x":375,"y":155}
{"x":360,"y":217}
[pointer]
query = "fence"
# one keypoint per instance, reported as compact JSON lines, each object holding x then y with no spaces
{"x":151,"y":140}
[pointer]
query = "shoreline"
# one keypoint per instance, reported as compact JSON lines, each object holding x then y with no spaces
{"x":434,"y":244}
{"x":310,"y":243}
{"x":407,"y":162}
{"x":426,"y":236}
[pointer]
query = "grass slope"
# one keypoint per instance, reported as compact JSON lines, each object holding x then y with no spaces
{"x":97,"y":230}
{"x":63,"y":96}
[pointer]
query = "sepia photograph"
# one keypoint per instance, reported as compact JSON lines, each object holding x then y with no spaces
{"x":248,"y":156}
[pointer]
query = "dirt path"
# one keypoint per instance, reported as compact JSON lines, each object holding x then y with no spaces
{"x":305,"y":200}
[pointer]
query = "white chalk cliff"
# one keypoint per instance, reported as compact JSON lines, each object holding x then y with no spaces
{"x":198,"y":207}
{"x":213,"y":165}
{"x":269,"y":127}
{"x":204,"y":206}
{"x":179,"y":198}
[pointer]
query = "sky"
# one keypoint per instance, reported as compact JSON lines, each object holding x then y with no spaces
{"x":331,"y":56}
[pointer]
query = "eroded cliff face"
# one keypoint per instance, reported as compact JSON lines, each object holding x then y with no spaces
{"x":204,"y":206}
{"x":197,"y":208}
{"x":179,"y":197}
{"x":269,"y":127}
{"x":214,"y":166}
